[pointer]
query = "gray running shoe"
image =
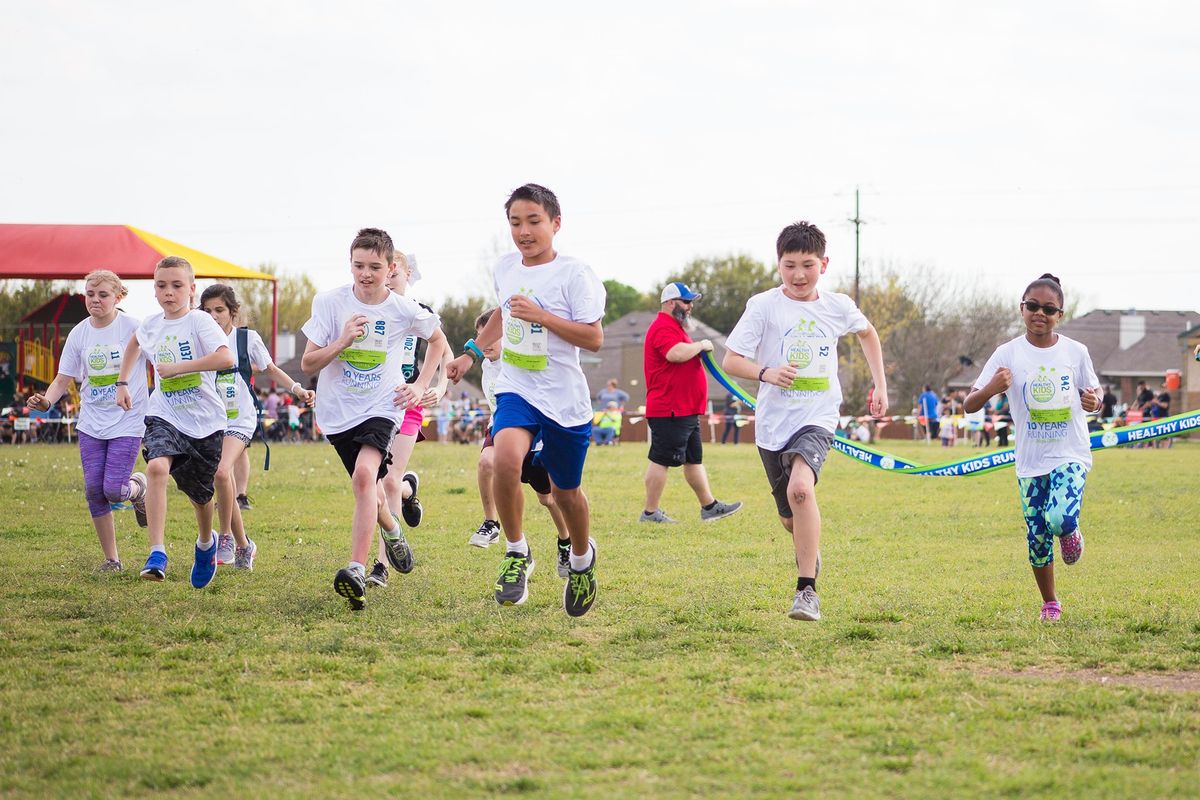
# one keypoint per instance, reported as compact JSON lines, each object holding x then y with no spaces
{"x":658,"y":516}
{"x":564,"y":558}
{"x":512,"y":584}
{"x":224,"y":548}
{"x":137,"y":497}
{"x":488,"y":534}
{"x":398,"y":552}
{"x":719,"y":510}
{"x":110,"y":565}
{"x":244,"y":556}
{"x":806,"y":605}
{"x":379,"y":575}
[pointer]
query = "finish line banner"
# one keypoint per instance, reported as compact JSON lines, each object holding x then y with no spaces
{"x":980,"y":464}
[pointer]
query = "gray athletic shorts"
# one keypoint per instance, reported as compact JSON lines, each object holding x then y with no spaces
{"x":810,"y":443}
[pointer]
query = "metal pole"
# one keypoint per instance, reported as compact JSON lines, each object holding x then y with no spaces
{"x":857,"y":224}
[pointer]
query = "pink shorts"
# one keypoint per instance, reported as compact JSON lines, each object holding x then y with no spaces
{"x":413,"y":417}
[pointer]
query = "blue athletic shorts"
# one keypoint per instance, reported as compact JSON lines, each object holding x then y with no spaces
{"x":563,"y":449}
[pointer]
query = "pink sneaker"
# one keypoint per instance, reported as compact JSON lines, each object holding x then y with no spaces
{"x":1071,"y":546}
{"x":1051,"y":611}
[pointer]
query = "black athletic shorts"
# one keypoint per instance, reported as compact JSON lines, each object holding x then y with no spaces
{"x":193,"y":461}
{"x":810,"y":443}
{"x":375,"y":432}
{"x":675,"y":441}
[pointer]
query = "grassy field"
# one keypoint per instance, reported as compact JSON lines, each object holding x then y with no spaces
{"x":929,"y":675}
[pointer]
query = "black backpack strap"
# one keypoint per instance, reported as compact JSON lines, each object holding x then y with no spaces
{"x":243,"y":368}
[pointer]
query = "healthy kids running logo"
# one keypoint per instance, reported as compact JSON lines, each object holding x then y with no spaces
{"x":1041,"y":388}
{"x":807,"y":347}
{"x":97,"y":359}
{"x":514,"y":329}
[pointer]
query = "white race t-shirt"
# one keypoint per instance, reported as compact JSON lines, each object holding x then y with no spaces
{"x":491,"y":373}
{"x":1048,"y":419}
{"x":92,"y":356}
{"x":361,"y":382}
{"x":189,"y":402}
{"x":240,"y":412}
{"x":775,"y":330}
{"x":538,"y":365}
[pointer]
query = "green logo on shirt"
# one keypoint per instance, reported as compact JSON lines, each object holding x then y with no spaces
{"x":97,"y":359}
{"x":514,"y":331}
{"x":1042,"y":387}
{"x":799,"y":355}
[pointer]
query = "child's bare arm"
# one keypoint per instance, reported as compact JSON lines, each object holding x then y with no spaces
{"x":873,"y":349}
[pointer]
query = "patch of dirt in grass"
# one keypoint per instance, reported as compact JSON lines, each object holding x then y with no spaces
{"x":1167,"y":681}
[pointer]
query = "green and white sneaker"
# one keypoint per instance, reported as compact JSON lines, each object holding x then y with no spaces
{"x":399,"y":553}
{"x":579,"y":593}
{"x":512,"y":585}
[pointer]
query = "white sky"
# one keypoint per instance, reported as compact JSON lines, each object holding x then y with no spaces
{"x":991,"y":142}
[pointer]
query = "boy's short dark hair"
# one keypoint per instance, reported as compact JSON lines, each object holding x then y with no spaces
{"x":535,"y":194}
{"x":483,"y":318}
{"x":800,"y":237}
{"x":377,"y":241}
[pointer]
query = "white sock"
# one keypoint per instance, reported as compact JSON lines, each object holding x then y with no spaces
{"x":393,"y":534}
{"x":158,"y":548}
{"x":520,"y":546}
{"x":580,"y":563}
{"x":212,"y":542}
{"x":354,"y":565}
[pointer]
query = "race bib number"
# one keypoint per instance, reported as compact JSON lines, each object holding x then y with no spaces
{"x":363,"y":359}
{"x":815,"y":360}
{"x":526,"y":344}
{"x":408,"y":358}
{"x":1049,"y":396}
{"x":103,"y":367}
{"x":227,"y":388}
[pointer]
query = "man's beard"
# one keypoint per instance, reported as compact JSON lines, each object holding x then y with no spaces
{"x":681,"y":315}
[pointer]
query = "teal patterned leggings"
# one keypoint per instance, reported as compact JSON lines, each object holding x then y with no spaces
{"x":1051,"y":505}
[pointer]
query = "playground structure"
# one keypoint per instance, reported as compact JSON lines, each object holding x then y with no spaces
{"x":69,"y":252}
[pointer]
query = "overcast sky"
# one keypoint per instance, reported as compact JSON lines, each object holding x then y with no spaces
{"x":992,"y":142}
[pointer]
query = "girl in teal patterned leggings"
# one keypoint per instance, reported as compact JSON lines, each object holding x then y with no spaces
{"x":1050,"y":384}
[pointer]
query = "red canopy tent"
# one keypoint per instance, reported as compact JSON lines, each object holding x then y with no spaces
{"x":56,"y":252}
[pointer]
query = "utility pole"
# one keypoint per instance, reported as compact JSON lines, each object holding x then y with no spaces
{"x":858,"y":222}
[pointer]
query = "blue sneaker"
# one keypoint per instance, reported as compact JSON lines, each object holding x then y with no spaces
{"x":205,"y":566}
{"x":156,"y":567}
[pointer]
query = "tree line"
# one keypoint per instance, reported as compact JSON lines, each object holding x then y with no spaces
{"x":929,"y":324}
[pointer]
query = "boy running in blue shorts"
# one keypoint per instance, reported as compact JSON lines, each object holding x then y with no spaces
{"x":551,"y":305}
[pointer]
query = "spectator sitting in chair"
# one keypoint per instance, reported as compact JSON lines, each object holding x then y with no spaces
{"x":607,"y":428}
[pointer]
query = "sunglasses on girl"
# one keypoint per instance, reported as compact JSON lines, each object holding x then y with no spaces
{"x":1033,"y":307}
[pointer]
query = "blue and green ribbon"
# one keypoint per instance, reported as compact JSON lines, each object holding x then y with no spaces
{"x":977,"y":464}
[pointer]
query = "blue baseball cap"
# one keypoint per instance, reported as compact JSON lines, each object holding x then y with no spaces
{"x":679,"y":291}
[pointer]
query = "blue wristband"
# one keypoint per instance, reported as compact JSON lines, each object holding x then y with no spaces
{"x":473,"y":348}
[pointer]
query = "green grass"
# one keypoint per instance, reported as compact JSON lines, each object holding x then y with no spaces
{"x":685,"y":679}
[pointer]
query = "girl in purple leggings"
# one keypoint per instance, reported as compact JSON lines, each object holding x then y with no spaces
{"x":109,"y":437}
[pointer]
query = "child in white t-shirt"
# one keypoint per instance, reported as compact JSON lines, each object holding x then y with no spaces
{"x":533,"y":474}
{"x":220,"y":302}
{"x":398,"y":489}
{"x":551,"y":306}
{"x":355,"y":337}
{"x":109,"y":436}
{"x":787,"y":340}
{"x":185,"y":418}
{"x":1052,"y":384}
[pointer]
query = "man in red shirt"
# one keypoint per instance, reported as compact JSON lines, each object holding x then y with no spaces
{"x":676,"y":396}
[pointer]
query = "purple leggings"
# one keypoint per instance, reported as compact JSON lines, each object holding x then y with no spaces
{"x":107,"y":465}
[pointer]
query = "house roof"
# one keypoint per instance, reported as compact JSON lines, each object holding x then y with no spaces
{"x":1157,"y":351}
